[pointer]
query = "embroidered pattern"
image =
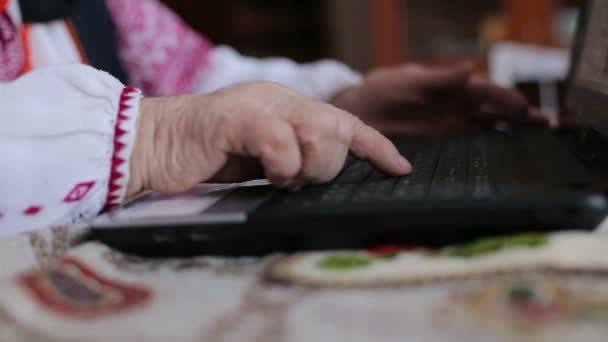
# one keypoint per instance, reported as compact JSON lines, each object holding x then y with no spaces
{"x":475,"y":249}
{"x":117,"y":174}
{"x":117,"y":184}
{"x":12,"y":51}
{"x":79,"y":192}
{"x":554,"y":306}
{"x":407,"y":265}
{"x":493,"y":245}
{"x":74,"y":289}
{"x":32,"y":211}
{"x":390,"y":251}
{"x":162,"y":54}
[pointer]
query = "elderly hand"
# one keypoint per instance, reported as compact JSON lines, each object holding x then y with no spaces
{"x":418,"y":100}
{"x":247,"y":131}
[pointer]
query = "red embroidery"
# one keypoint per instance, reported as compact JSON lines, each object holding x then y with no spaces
{"x":390,"y":250}
{"x":114,"y":188}
{"x":73,"y":289}
{"x":79,"y":192}
{"x":12,"y":51}
{"x":32,"y":211}
{"x":164,"y":56}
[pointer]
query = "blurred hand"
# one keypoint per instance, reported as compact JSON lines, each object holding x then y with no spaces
{"x":419,"y":100}
{"x":248,"y":131}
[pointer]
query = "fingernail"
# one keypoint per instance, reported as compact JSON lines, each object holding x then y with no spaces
{"x":404,"y":164}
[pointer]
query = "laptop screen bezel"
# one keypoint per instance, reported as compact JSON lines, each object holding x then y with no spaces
{"x":587,"y":103}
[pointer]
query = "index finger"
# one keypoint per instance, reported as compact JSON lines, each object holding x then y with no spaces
{"x":452,"y":77}
{"x":368,"y":144}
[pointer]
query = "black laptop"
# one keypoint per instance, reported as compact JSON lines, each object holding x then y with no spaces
{"x":462,"y":187}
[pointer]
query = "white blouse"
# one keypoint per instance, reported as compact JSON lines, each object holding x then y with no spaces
{"x":67,"y":130}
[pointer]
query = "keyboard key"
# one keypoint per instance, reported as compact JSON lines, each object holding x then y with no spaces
{"x":355,"y":173}
{"x":376,"y":191}
{"x":416,"y":185}
{"x":445,"y":168}
{"x":337,"y":193}
{"x":451,"y":176}
{"x":304,"y":198}
{"x":504,"y":165}
{"x":413,"y":192}
{"x":377,"y":176}
{"x":481,"y":182}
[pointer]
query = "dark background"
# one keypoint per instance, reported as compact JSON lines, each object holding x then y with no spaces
{"x":367,"y":33}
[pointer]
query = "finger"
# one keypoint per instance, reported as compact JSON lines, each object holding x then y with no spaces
{"x":537,"y":116}
{"x":526,"y":116}
{"x":238,"y":169}
{"x":424,"y":126}
{"x":572,"y":121}
{"x":273,"y":142}
{"x":324,"y":137}
{"x":506,"y":101}
{"x":368,"y":144}
{"x":433,"y":79}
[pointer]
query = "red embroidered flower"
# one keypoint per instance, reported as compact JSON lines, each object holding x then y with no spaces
{"x":390,"y":250}
{"x":75,"y":290}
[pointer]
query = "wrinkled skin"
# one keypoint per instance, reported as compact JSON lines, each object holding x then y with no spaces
{"x":415,"y":99}
{"x":262,"y":129}
{"x":247,"y":131}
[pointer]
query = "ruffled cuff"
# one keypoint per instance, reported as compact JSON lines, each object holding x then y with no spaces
{"x":124,"y":139}
{"x":66,"y":138}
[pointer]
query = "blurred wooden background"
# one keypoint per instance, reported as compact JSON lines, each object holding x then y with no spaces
{"x":366,"y":33}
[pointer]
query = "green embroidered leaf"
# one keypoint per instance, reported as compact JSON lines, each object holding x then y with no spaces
{"x":521,"y":293}
{"x":344,"y":262}
{"x":493,"y":245}
{"x":388,"y":257}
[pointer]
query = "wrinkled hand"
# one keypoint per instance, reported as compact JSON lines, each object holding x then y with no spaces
{"x":248,"y":131}
{"x":418,"y":100}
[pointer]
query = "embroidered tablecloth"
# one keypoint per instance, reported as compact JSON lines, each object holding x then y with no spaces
{"x":528,"y":287}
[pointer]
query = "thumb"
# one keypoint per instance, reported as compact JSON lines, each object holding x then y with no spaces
{"x":451,"y":77}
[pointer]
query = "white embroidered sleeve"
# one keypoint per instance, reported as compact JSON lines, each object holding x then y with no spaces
{"x":320,"y":80}
{"x":66,"y":136}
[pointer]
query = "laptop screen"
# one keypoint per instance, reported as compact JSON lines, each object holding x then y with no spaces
{"x":588,"y":96}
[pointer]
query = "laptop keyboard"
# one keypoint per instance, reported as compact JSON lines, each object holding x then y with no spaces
{"x":443,"y":168}
{"x":447,"y":168}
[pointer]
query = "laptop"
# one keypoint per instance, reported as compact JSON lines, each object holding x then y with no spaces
{"x":463,"y":187}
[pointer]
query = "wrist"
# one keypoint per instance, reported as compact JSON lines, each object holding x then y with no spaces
{"x":144,"y":145}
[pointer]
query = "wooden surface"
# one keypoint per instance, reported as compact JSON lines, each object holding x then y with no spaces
{"x":531,"y":21}
{"x":389,"y":18}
